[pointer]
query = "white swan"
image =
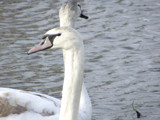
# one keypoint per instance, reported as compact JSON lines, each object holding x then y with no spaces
{"x":68,"y":14}
{"x":35,"y":106}
{"x":22,"y":105}
{"x":70,"y":41}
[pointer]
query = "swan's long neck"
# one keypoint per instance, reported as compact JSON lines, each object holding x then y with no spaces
{"x":73,"y":79}
{"x":67,"y":22}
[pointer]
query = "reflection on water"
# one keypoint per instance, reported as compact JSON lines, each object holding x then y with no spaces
{"x":122,"y":53}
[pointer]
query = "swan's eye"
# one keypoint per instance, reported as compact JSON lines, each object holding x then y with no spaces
{"x":79,"y":6}
{"x":59,"y":34}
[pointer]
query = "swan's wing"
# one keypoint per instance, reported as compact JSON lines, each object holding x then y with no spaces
{"x":18,"y":102}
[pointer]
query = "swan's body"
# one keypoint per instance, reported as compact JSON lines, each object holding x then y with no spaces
{"x":22,"y":105}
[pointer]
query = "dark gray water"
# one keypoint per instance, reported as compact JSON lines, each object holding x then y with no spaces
{"x":122,"y":46}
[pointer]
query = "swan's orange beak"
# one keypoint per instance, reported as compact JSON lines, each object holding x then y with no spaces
{"x":43,"y":45}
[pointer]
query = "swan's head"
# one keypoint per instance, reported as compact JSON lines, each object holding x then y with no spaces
{"x":64,"y":37}
{"x":69,"y":12}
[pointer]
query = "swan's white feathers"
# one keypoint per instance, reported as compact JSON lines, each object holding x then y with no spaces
{"x":68,"y":13}
{"x":21,"y":102}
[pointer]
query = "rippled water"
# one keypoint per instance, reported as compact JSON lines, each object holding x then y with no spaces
{"x":122,"y":45}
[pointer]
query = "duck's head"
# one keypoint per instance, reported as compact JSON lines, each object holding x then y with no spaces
{"x":64,"y":37}
{"x":69,"y":12}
